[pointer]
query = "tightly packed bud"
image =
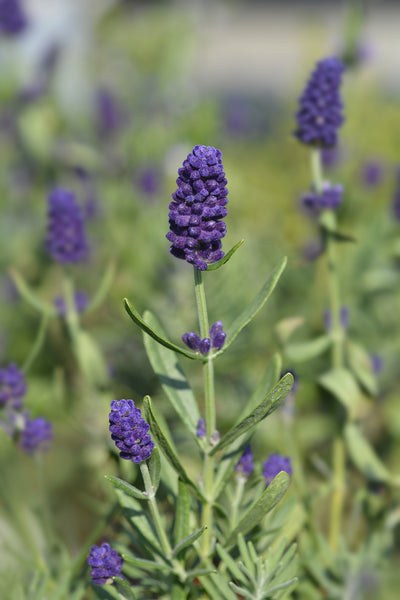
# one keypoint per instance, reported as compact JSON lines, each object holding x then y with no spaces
{"x":201,"y":428}
{"x":245,"y":465}
{"x":106,"y":563}
{"x":330,"y":198}
{"x":216,"y":339}
{"x":81,"y":301}
{"x":320,"y":114}
{"x":36,"y":435}
{"x":198,"y":207}
{"x":66,"y":235}
{"x":274,"y":465}
{"x":12,"y":386}
{"x":130,"y":431}
{"x":12,"y":18}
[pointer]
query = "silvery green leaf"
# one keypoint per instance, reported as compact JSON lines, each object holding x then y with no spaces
{"x":139,"y":520}
{"x":172,"y":378}
{"x":269,"y":499}
{"x":129,"y":489}
{"x":124,"y":588}
{"x":303,"y":351}
{"x":270,"y":403}
{"x":254,"y":307}
{"x":231,"y":564}
{"x":146,"y":565}
{"x":188,"y":541}
{"x":225,"y":258}
{"x":182,"y":513}
{"x":157,"y":336}
{"x":219,"y":587}
{"x":166,"y":447}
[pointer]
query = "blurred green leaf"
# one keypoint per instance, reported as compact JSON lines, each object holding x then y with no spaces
{"x":136,"y":318}
{"x":360,"y":364}
{"x":253,"y":308}
{"x":341,"y":383}
{"x":129,"y":489}
{"x":286,"y":327}
{"x":270,"y":403}
{"x":182,"y":513}
{"x":269,"y":499}
{"x":146,"y":565}
{"x":90,"y":359}
{"x":364,"y":456}
{"x":124,"y":588}
{"x":224,"y":259}
{"x":30,"y":296}
{"x":188,"y":541}
{"x":104,"y":287}
{"x":303,"y":351}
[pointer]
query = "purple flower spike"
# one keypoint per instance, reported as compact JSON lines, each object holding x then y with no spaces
{"x":274,"y":465}
{"x":66,"y":236}
{"x":106,"y":563}
{"x":130,"y":431}
{"x":217,"y":335}
{"x":245,"y":466}
{"x":12,"y":386}
{"x":36,"y":435}
{"x":320,"y":113}
{"x":201,"y":428}
{"x":12,"y":18}
{"x":81,"y":302}
{"x":198,"y":207}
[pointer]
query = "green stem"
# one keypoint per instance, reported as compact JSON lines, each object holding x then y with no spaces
{"x":38,"y":343}
{"x":209,"y":398}
{"x":71,"y":316}
{"x":339,"y":456}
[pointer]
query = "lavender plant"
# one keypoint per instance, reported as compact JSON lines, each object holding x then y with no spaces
{"x":208,"y":532}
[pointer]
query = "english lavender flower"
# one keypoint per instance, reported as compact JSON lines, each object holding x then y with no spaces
{"x":106,"y":563}
{"x":130,"y":431}
{"x":66,"y":235}
{"x":217,"y":335}
{"x":201,"y":428}
{"x":36,"y":435}
{"x":330,"y":198}
{"x":81,"y":301}
{"x":274,"y":465}
{"x":320,"y":113}
{"x":245,"y":466}
{"x":108,"y":113}
{"x":198,"y":207}
{"x":13,"y":21}
{"x":12,"y":386}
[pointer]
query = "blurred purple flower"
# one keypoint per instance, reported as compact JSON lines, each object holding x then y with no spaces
{"x":81,"y":301}
{"x":320,"y":113}
{"x":330,"y":157}
{"x":12,"y":386}
{"x":106,"y":563}
{"x":13,"y":20}
{"x":245,"y":466}
{"x":36,"y":435}
{"x":343,"y":317}
{"x":330,"y":198}
{"x":66,"y":235}
{"x":376,"y":363}
{"x":148,"y":180}
{"x":109,"y":116}
{"x":274,"y":465}
{"x":372,"y":173}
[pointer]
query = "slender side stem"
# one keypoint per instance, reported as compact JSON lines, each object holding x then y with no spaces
{"x":71,"y":316}
{"x":339,"y":456}
{"x":38,"y":343}
{"x":209,"y":397}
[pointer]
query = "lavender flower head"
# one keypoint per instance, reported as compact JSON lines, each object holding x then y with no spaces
{"x":12,"y":386}
{"x":36,"y":435}
{"x":66,"y":235}
{"x":130,"y":431}
{"x":198,"y":207}
{"x":320,"y":113}
{"x":81,"y":301}
{"x":274,"y":465}
{"x":245,"y":466}
{"x":12,"y":18}
{"x":106,"y":563}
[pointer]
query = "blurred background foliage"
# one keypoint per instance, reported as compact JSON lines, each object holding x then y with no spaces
{"x":106,"y":99}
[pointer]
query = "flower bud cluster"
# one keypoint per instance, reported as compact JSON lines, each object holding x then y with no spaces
{"x":330,"y":198}
{"x":215,"y":341}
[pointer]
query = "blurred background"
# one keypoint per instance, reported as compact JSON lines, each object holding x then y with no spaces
{"x":106,"y":98}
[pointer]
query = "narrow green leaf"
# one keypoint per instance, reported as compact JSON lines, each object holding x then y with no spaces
{"x":139,"y":519}
{"x":146,"y":565}
{"x":364,"y":456}
{"x":178,"y":592}
{"x":341,"y":383}
{"x":241,"y":591}
{"x":270,"y":403}
{"x":166,"y":448}
{"x":360,"y":364}
{"x":155,"y":468}
{"x":124,"y":588}
{"x":210,"y":588}
{"x":27,"y":293}
{"x":138,"y":319}
{"x":224,"y":259}
{"x":303,"y":351}
{"x":270,"y":498}
{"x":245,"y":556}
{"x":90,"y":359}
{"x":104,"y":287}
{"x":182,"y":513}
{"x":199,"y":572}
{"x":172,"y":378}
{"x":188,"y":541}
{"x":129,"y":489}
{"x":253,"y":308}
{"x":230,"y":563}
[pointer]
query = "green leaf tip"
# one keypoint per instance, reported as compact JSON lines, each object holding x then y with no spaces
{"x":224,"y":259}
